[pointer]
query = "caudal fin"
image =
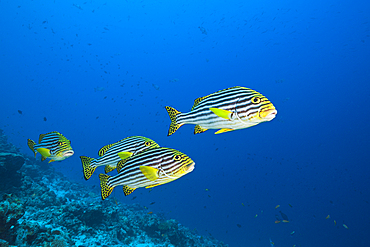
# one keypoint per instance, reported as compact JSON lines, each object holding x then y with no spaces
{"x":106,"y":190}
{"x":31,"y":145}
{"x":173,"y":113}
{"x":88,"y":169}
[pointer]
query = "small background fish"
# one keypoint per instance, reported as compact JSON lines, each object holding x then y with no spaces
{"x":52,"y":145}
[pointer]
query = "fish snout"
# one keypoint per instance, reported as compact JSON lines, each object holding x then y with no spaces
{"x":268,"y":114}
{"x":191,"y":167}
{"x":68,"y":153}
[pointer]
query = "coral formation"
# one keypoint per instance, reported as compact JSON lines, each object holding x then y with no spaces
{"x":54,"y":212}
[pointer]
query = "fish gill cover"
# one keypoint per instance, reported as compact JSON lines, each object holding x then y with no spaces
{"x":100,"y":71}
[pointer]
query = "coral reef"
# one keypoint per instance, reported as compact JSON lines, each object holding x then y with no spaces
{"x":41,"y":207}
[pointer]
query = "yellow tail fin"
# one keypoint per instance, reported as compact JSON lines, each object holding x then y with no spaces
{"x":88,"y":169}
{"x":105,"y":189}
{"x":172,"y":112}
{"x":31,"y":145}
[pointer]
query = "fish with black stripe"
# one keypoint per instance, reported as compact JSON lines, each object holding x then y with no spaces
{"x":52,"y":145}
{"x":111,"y":154}
{"x":147,"y":169}
{"x":227,"y":110}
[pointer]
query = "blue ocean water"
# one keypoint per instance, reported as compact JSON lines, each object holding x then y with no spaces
{"x":99,"y":71}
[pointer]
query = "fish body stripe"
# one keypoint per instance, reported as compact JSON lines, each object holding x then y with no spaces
{"x":237,"y":99}
{"x":158,"y":158}
{"x":135,"y":144}
{"x":55,"y":142}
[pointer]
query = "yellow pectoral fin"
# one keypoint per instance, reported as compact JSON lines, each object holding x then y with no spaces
{"x":44,"y":152}
{"x":149,"y":172}
{"x":223,"y":131}
{"x":222,"y":113}
{"x":124,"y":155}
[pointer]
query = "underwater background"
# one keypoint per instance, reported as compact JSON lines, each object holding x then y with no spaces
{"x":100,"y":71}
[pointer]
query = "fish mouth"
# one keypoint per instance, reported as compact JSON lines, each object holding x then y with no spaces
{"x":269,"y":114}
{"x":68,"y":153}
{"x":191,"y":167}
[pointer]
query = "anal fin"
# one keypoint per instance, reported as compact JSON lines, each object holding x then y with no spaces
{"x":109,"y":168}
{"x":223,"y":131}
{"x":128,"y":190}
{"x":199,"y":129}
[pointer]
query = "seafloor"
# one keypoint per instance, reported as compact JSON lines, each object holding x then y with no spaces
{"x":40,"y":207}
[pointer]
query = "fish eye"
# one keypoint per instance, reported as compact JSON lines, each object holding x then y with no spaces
{"x":177,"y":157}
{"x":60,"y":143}
{"x":148,"y":144}
{"x":256,"y":100}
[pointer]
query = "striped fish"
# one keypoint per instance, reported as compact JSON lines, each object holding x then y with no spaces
{"x":111,"y":154}
{"x":227,"y":110}
{"x":52,"y":145}
{"x":147,"y":169}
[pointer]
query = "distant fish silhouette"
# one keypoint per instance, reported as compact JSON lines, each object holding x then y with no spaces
{"x":284,"y":216}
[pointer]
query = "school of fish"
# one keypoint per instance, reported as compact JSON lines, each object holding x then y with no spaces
{"x":141,"y":163}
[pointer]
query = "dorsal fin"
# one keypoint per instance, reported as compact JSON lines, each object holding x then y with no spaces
{"x":104,"y":149}
{"x":120,"y":165}
{"x":41,"y":137}
{"x":198,"y":100}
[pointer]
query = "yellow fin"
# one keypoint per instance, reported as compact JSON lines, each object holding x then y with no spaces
{"x":109,"y":168}
{"x":120,"y":165}
{"x":125,"y":155}
{"x":149,"y":172}
{"x":105,"y":148}
{"x":151,"y":186}
{"x":198,"y":129}
{"x":172,"y":112}
{"x":223,"y":131}
{"x":222,"y":113}
{"x":128,"y":190}
{"x":51,"y":161}
{"x":40,"y":137}
{"x":106,"y":190}
{"x":44,"y":152}
{"x":88,"y":169}
{"x":31,"y":145}
{"x":198,"y":100}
